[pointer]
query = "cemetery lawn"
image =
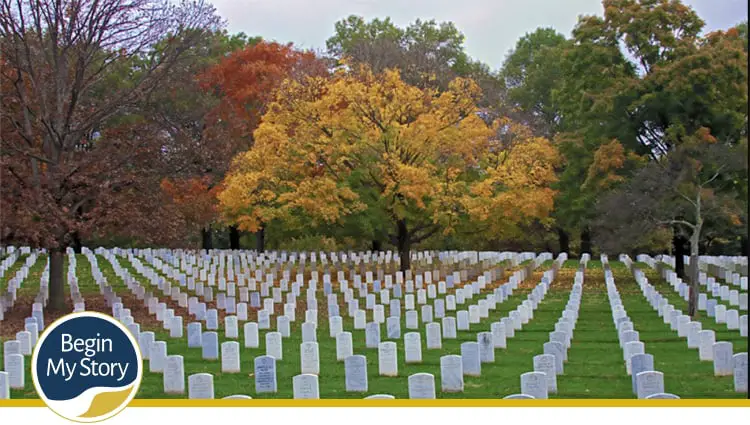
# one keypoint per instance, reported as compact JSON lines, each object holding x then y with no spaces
{"x":595,"y":367}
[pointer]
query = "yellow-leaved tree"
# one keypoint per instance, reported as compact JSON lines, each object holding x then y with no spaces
{"x":329,"y":147}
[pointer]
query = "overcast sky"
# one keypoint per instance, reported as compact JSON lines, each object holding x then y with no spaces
{"x":491,"y":27}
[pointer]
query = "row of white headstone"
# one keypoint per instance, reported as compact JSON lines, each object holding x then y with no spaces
{"x":146,"y":335}
{"x":720,"y":353}
{"x":414,"y":356}
{"x":711,"y":304}
{"x":9,"y":297}
{"x":264,"y":323}
{"x":543,"y":380}
{"x":453,"y":367}
{"x":645,"y":380}
{"x":268,"y":303}
{"x":230,"y":359}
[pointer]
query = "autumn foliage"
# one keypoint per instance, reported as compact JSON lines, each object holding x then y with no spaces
{"x":245,"y":82}
{"x":325,"y":146}
{"x":195,"y":198}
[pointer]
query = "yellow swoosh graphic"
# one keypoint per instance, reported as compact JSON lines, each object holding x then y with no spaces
{"x":106,"y":402}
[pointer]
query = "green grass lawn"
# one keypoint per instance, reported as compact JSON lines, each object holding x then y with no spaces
{"x":684,"y":373}
{"x":595,"y":368}
{"x":11,"y":272}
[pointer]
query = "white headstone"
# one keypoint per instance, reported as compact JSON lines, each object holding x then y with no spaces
{"x":648,"y":383}
{"x":265,"y":374}
{"x":309,"y":358}
{"x":449,"y":328}
{"x":174,"y":375}
{"x":393,"y":328}
{"x":722,"y":356}
{"x":145,"y":339}
{"x":309,"y":332}
{"x":486,"y":347}
{"x":470,"y":359}
{"x":434,"y":340}
{"x":201,"y":386}
{"x":250,"y":331}
{"x":157,"y":357}
{"x":305,"y":386}
{"x":387,"y":359}
{"x":546,"y":363}
{"x":210,"y":341}
{"x":274,"y":345}
{"x":739,"y":366}
{"x":335,"y":326}
{"x":230,"y":357}
{"x":706,"y":347}
{"x":413,"y":347}
{"x":14,"y":366}
{"x":4,"y":383}
{"x":451,"y":373}
{"x":462,"y":320}
{"x":231,"y":327}
{"x":535,"y":384}
{"x":356,"y":373}
{"x":422,"y":386}
{"x":556,"y":349}
{"x":372,"y":335}
{"x":498,"y":335}
{"x":344,"y":347}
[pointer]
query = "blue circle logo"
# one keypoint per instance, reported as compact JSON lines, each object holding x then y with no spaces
{"x":87,"y":367}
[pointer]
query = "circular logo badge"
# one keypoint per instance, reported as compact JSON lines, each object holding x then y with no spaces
{"x":86,"y":367}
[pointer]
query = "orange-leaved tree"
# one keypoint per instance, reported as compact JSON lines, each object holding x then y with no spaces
{"x":245,"y":83}
{"x":329,"y":147}
{"x":195,"y":199}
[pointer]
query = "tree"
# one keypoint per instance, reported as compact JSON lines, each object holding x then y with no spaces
{"x":183,"y":109}
{"x":63,"y":64}
{"x":642,"y":76}
{"x":695,"y":183}
{"x":427,"y":53}
{"x":195,"y":200}
{"x":325,"y":147}
{"x":532,"y":71}
{"x":245,"y":82}
{"x":674,"y":81}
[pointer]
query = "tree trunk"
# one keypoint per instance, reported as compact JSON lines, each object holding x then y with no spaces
{"x":207,"y":236}
{"x":694,"y":272}
{"x":404,"y":245}
{"x":679,"y":242}
{"x":564,"y":239}
{"x":260,"y":239}
{"x":77,"y":244}
{"x":585,"y":241}
{"x":56,"y":280}
{"x":377,"y":245}
{"x":234,"y":237}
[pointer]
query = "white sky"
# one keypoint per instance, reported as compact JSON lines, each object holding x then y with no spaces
{"x":491,"y":27}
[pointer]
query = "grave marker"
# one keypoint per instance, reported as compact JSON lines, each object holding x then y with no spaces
{"x":201,"y":386}
{"x":451,"y":373}
{"x":421,"y":386}
{"x":174,"y":375}
{"x":470,"y":360}
{"x":387,"y":359}
{"x":356,"y":373}
{"x":265,"y":374}
{"x":309,"y":358}
{"x":534,"y":384}
{"x":305,"y":386}
{"x":649,"y":383}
